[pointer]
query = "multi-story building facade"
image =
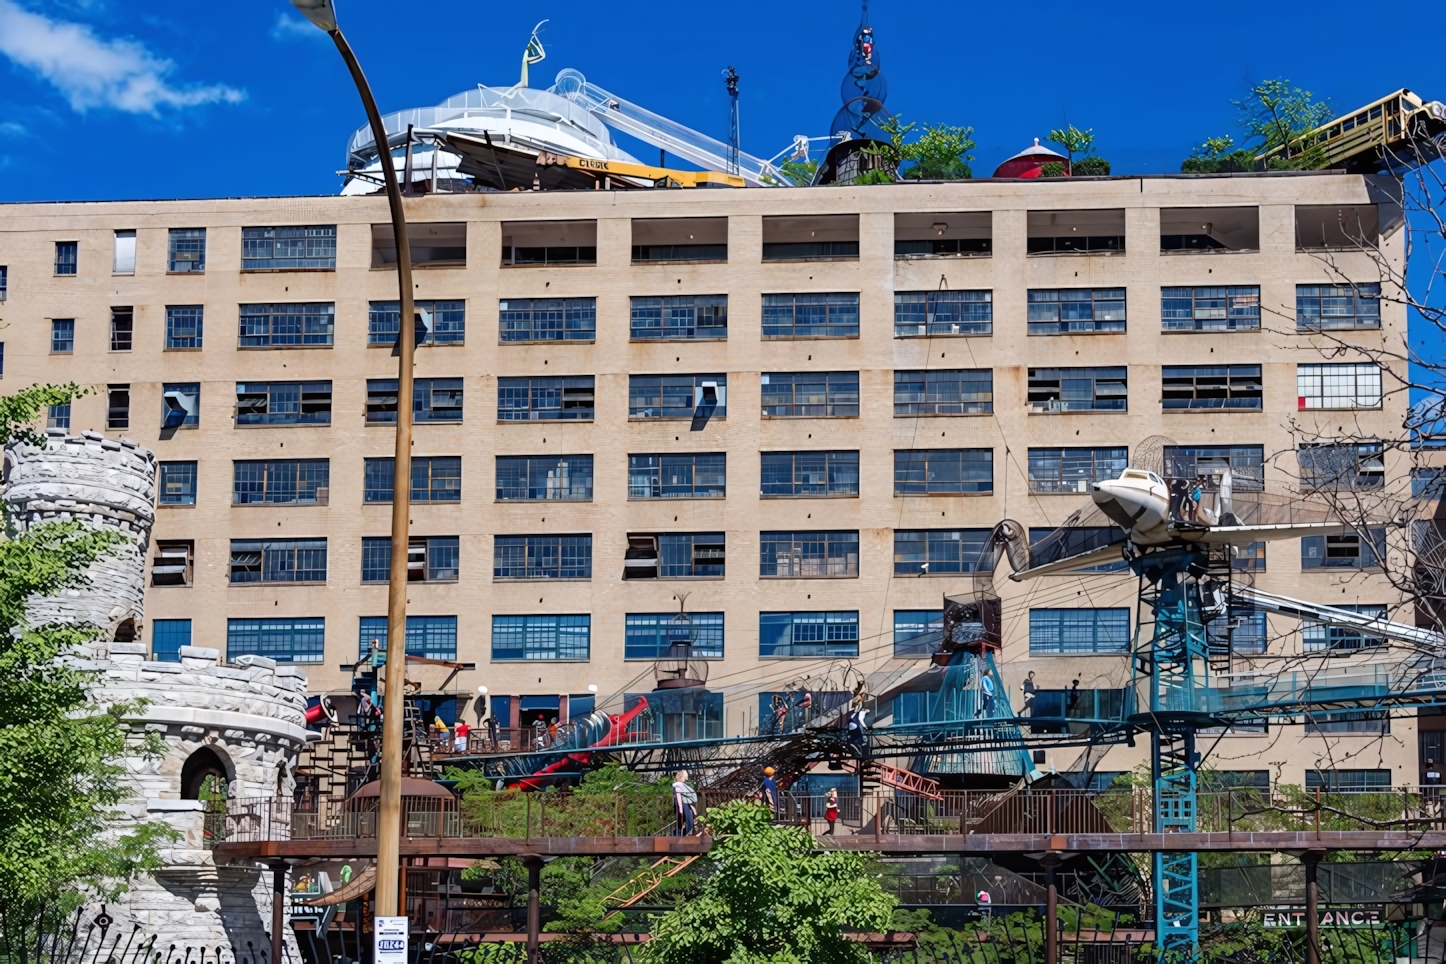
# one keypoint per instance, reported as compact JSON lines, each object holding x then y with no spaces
{"x":804,"y":409}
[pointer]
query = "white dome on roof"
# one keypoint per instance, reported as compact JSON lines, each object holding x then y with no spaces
{"x":1038,"y":151}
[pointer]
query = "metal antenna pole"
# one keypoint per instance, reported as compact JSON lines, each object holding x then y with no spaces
{"x":389,"y":823}
{"x":730,"y":77}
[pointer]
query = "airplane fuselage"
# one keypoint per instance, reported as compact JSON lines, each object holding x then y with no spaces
{"x":1138,"y":502}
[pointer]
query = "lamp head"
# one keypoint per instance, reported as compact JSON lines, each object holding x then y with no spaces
{"x":319,"y":12}
{"x":592,"y":687}
{"x":482,"y":691}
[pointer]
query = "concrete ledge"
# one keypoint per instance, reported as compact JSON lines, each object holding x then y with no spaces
{"x":158,"y":805}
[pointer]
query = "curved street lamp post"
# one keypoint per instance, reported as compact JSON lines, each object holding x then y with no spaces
{"x":323,"y":14}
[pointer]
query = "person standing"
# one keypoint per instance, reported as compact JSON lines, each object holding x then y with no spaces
{"x":685,"y":804}
{"x":552,"y":732}
{"x":459,"y":736}
{"x":492,"y":733}
{"x":830,"y":810}
{"x":1029,"y":692}
{"x":768,"y":790}
{"x":986,"y":695}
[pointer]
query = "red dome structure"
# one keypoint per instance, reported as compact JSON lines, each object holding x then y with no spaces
{"x":1028,"y":162}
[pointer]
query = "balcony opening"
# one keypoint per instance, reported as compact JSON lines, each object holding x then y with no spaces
{"x":548,"y":242}
{"x":960,"y":234}
{"x":680,"y":239}
{"x":832,"y":237}
{"x":1348,"y":226}
{"x":174,"y":563}
{"x":1214,"y":230}
{"x":439,"y":244}
{"x":1077,"y":232}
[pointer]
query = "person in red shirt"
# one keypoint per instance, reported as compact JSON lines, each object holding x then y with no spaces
{"x":460,"y":736}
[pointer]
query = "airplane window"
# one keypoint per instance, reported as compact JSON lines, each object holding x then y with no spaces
{"x":1155,"y":478}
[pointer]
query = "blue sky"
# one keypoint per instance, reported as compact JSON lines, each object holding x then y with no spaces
{"x":144,"y":99}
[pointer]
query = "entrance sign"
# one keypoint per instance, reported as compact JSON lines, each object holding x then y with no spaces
{"x":1327,"y":917}
{"x":389,"y":940}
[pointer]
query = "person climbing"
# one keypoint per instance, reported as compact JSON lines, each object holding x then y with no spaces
{"x":1030,"y":690}
{"x":685,"y":804}
{"x":830,"y":810}
{"x":459,"y":736}
{"x":768,"y":790}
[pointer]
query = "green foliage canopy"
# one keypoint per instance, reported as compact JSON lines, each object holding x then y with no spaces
{"x":939,"y":153}
{"x":59,"y":774}
{"x":1278,"y":114}
{"x":772,"y":900}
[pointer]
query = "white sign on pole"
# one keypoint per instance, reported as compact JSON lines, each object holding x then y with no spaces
{"x":389,"y":940}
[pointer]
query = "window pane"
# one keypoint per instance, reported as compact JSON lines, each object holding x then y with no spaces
{"x":541,"y":637}
{"x":177,"y":483}
{"x":651,"y":635}
{"x":943,"y":471}
{"x":284,"y":640}
{"x":811,"y":316}
{"x":1073,"y":469}
{"x":809,"y":474}
{"x":809,"y":634}
{"x":1066,"y":631}
{"x":542,"y":557}
{"x":677,"y":476}
{"x":810,"y":394}
{"x":690,"y":317}
{"x":289,"y":248}
{"x":919,"y":314}
{"x":1073,"y":311}
{"x":548,"y":319}
{"x":187,"y":249}
{"x":287,"y":326}
{"x":544,"y":477}
{"x":184,"y":324}
{"x":943,"y":392}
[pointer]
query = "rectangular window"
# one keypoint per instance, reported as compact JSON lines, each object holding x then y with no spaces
{"x":680,"y":239}
{"x":185,"y":325}
{"x":288,"y":326}
{"x":542,"y":557}
{"x":1200,"y":388}
{"x":187,"y":250}
{"x":283,"y":403}
{"x":1073,"y":311}
{"x":938,"y":552}
{"x":122,"y":329}
{"x":1048,"y":544}
{"x":177,"y":483}
{"x":652,"y":635}
{"x":563,"y":397}
{"x":296,"y":248}
{"x":278,"y":561}
{"x":4,"y":282}
{"x":809,"y":555}
{"x":1248,"y":558}
{"x":1374,"y":722}
{"x":677,"y":396}
{"x":541,"y":637}
{"x":1243,"y":634}
{"x":943,"y":471}
{"x":174,"y":562}
{"x":1327,"y":466}
{"x":180,"y":404}
{"x":58,"y":416}
{"x":1057,"y":471}
{"x":680,"y":318}
{"x":1320,"y":638}
{"x":1428,"y":482}
{"x":540,"y":478}
{"x":809,"y":634}
{"x":675,"y":555}
{"x":811,"y":316}
{"x":549,"y":242}
{"x":1347,"y":781}
{"x":1209,"y":462}
{"x":1345,"y":551}
{"x":1336,"y":307}
{"x":284,"y":640}
{"x":959,"y":391}
{"x":430,"y":637}
{"x":1063,"y":632}
{"x":810,"y":394}
{"x":801,"y":475}
{"x":1339,"y":386}
{"x":926,"y":314}
{"x":433,"y":400}
{"x":67,"y":257}
{"x":167,"y":638}
{"x":1076,"y":232}
{"x":118,"y":407}
{"x":436,"y":478}
{"x":1079,"y":389}
{"x":125,"y":253}
{"x":281,"y":482}
{"x":433,"y":244}
{"x":547,"y":319}
{"x":449,"y":322}
{"x":62,"y":336}
{"x":810,"y":250}
{"x":429,"y":559}
{"x":1210,"y":308}
{"x":686,"y":476}
{"x":917,"y":632}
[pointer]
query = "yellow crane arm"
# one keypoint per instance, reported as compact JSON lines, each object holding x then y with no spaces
{"x":660,"y":176}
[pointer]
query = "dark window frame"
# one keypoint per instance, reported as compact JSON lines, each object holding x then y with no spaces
{"x":1101,"y":301}
{"x":678,"y":318}
{"x":267,"y":481}
{"x":287,"y":561}
{"x":658,"y":472}
{"x":569,"y":391}
{"x":1046,"y":382}
{"x":550,"y":557}
{"x":843,"y":304}
{"x":917,"y":313}
{"x":288,"y":325}
{"x":560,"y":467}
{"x":1212,"y":388}
{"x":840,"y":397}
{"x":839,"y":469}
{"x":934,"y":392}
{"x":309,"y":248}
{"x":907,"y":464}
{"x":811,"y":554}
{"x":1210,"y":308}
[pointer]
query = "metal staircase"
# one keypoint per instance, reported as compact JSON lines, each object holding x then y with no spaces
{"x":645,"y":881}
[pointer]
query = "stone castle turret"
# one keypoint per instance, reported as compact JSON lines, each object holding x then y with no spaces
{"x":230,"y":731}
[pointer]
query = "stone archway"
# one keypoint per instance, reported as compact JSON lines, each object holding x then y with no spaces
{"x":204,"y":777}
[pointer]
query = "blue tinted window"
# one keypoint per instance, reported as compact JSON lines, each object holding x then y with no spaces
{"x":284,"y":640}
{"x":280,"y":482}
{"x":811,"y":634}
{"x":539,"y":478}
{"x":917,"y":632}
{"x":292,"y":248}
{"x":278,"y":561}
{"x":167,"y":638}
{"x":62,"y":336}
{"x":430,"y":637}
{"x":545,"y":399}
{"x":939,"y":552}
{"x":943,"y":471}
{"x":811,"y":316}
{"x":650,"y":635}
{"x":184,"y":326}
{"x":287,"y":326}
{"x":449,"y":322}
{"x":547,"y":319}
{"x":542,"y":557}
{"x":795,"y":475}
{"x":689,"y":317}
{"x":283,"y":403}
{"x":1345,"y":551}
{"x":541,"y":637}
{"x":177,"y":485}
{"x":187,"y":251}
{"x":921,"y":314}
{"x":677,"y":476}
{"x":1082,"y":631}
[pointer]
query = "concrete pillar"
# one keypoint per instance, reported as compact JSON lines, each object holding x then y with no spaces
{"x":1050,"y":862}
{"x":534,"y":863}
{"x":278,"y":910}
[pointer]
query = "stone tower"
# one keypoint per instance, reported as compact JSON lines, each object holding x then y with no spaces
{"x":241,"y":724}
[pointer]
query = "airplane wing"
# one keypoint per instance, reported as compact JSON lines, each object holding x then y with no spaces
{"x":1240,"y":535}
{"x":1095,"y":557}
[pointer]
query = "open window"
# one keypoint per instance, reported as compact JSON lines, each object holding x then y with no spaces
{"x":953,"y":235}
{"x":180,"y":405}
{"x":640,"y":561}
{"x":1077,"y":232}
{"x":680,"y":239}
{"x":174,"y":563}
{"x":435,"y":244}
{"x":1341,"y":226}
{"x":675,"y":555}
{"x":1219,"y":230}
{"x":548,"y":242}
{"x":825,"y":237}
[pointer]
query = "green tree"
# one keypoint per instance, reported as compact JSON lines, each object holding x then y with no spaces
{"x":771,"y":900}
{"x":1278,"y":115}
{"x":1218,"y":155}
{"x":801,"y":173}
{"x":59,"y":750}
{"x":1074,"y":141}
{"x":891,"y":153}
{"x":941,"y":153}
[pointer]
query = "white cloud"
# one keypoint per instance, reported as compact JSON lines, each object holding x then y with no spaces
{"x":288,"y":27}
{"x":92,"y":72}
{"x":12,"y":129}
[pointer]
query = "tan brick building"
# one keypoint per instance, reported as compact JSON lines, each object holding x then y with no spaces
{"x":984,"y":349}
